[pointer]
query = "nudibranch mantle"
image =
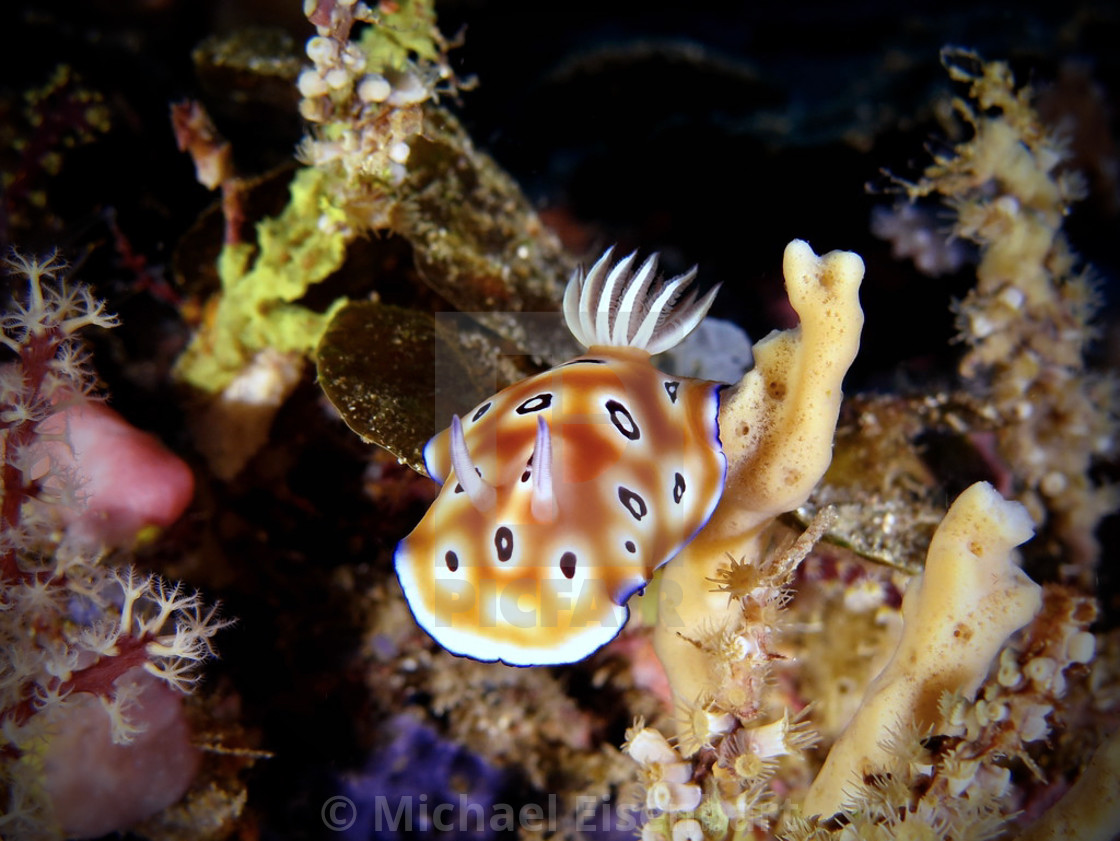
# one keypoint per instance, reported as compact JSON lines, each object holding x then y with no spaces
{"x":565,"y":491}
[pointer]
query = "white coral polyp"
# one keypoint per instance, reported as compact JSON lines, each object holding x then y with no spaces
{"x":688,"y":830}
{"x":665,"y":796}
{"x":1031,"y":721}
{"x":311,"y":83}
{"x":649,"y":747}
{"x":1081,"y":647}
{"x":770,"y":739}
{"x":374,"y":88}
{"x":322,"y":50}
{"x":408,"y":89}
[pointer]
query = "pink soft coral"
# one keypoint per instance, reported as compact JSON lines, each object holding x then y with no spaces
{"x":94,"y":661}
{"x":128,"y":480}
{"x":97,"y":785}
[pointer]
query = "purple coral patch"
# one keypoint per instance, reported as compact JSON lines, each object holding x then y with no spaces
{"x":421,"y":786}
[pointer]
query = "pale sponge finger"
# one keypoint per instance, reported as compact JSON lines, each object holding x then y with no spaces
{"x":957,"y":615}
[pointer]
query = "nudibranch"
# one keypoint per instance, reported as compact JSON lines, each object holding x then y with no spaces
{"x":565,"y":491}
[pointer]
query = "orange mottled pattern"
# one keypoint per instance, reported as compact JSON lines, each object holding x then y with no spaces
{"x":637,"y":470}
